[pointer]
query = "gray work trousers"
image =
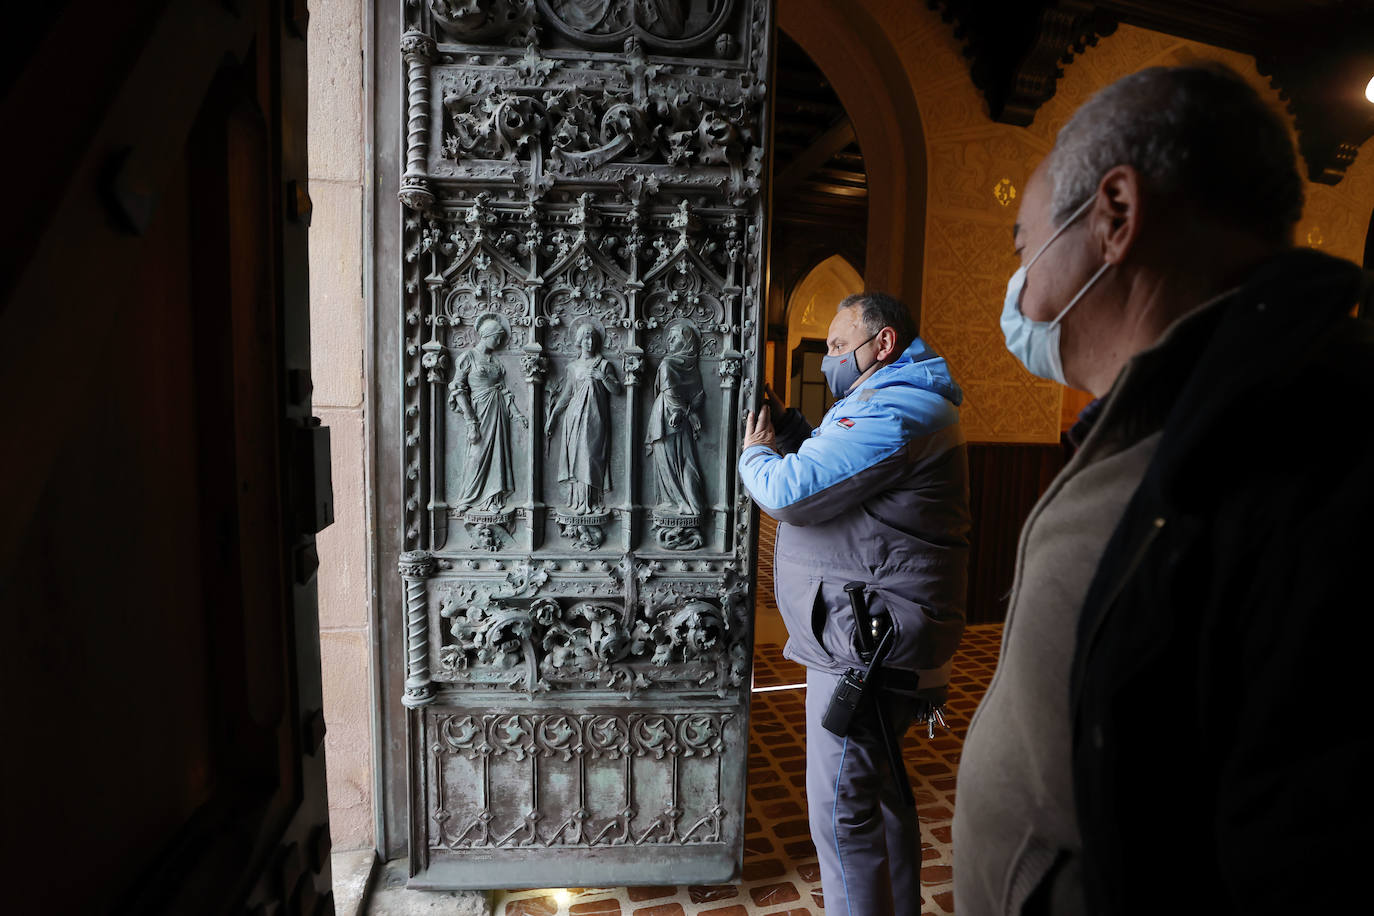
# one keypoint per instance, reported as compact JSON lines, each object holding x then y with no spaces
{"x":868,"y":841}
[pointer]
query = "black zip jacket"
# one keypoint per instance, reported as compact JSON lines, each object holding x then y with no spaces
{"x":1222,"y":678}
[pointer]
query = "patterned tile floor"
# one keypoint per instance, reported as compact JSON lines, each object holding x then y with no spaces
{"x":781,"y":877}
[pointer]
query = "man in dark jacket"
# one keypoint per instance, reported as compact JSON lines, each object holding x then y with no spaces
{"x":878,"y":494}
{"x":1178,"y":702}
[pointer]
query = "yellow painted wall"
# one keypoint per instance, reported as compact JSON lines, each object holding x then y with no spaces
{"x":977,"y":169}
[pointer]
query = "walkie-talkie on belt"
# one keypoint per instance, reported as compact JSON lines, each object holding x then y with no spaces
{"x":860,"y":688}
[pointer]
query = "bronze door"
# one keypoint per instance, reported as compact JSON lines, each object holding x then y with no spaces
{"x":581,"y":269}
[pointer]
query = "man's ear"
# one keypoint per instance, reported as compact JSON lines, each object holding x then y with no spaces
{"x":887,"y":344}
{"x":1116,"y":216}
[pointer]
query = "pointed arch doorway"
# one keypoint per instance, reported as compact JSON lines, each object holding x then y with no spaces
{"x":809,"y":310}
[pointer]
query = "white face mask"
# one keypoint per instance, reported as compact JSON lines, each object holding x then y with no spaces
{"x":1036,"y":343}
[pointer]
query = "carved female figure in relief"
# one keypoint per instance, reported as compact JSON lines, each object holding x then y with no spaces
{"x":584,"y":400}
{"x":478,"y":391}
{"x":675,"y":423}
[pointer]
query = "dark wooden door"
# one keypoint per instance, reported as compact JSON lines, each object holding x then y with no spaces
{"x":163,"y":479}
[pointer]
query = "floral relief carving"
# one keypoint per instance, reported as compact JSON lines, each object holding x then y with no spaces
{"x":482,"y":20}
{"x":536,"y":645}
{"x":483,"y":121}
{"x":684,"y":289}
{"x":582,"y":130}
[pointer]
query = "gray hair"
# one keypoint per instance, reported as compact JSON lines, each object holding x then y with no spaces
{"x":883,"y":311}
{"x":1198,"y":131}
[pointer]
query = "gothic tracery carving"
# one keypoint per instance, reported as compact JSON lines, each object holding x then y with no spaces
{"x":583,"y":744}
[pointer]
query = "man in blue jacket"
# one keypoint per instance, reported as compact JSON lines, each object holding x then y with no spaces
{"x":878,"y":493}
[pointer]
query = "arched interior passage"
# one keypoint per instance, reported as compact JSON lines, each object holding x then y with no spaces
{"x":809,"y":310}
{"x":865,"y":70}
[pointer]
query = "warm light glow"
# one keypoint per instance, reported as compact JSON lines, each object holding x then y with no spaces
{"x":1369,"y":90}
{"x":562,"y":898}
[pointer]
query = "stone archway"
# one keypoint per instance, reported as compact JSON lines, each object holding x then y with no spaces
{"x":864,"y":67}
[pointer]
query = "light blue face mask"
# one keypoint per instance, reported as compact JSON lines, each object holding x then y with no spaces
{"x":1036,"y":343}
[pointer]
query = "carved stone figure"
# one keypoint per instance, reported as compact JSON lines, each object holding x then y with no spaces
{"x":478,"y":392}
{"x":670,"y":21}
{"x":664,"y":17}
{"x":674,"y":424}
{"x":593,"y":15}
{"x":584,"y":402}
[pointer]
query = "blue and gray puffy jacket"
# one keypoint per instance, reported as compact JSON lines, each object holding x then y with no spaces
{"x":877,"y":493}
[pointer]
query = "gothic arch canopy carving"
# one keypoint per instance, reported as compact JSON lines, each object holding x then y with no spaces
{"x":483,"y":281}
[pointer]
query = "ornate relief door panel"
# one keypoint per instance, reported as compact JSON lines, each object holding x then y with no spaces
{"x":582,"y":252}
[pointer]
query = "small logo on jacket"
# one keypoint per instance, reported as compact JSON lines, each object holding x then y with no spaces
{"x":845,"y":422}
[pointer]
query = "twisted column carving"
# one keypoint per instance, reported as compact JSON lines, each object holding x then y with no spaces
{"x":418,"y":49}
{"x":415,"y":567}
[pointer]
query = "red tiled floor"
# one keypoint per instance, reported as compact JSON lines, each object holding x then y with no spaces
{"x":609,"y":907}
{"x":665,"y":909}
{"x":712,"y":893}
{"x":774,"y":894}
{"x":764,"y":868}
